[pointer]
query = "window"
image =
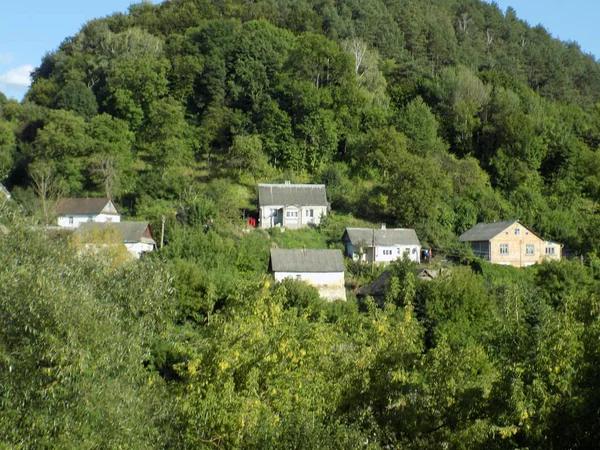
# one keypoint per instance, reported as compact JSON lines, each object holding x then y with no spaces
{"x":70,"y":220}
{"x":298,"y":277}
{"x":549,"y":250}
{"x":310,"y":213}
{"x":387,"y":252}
{"x":517,"y":231}
{"x":291,"y":214}
{"x":504,"y":249}
{"x":529,"y":249}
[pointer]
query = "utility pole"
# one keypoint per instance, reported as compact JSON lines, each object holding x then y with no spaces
{"x":162,"y":232}
{"x":373,"y":252}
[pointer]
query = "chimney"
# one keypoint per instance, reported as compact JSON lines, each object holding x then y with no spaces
{"x":383,"y":226}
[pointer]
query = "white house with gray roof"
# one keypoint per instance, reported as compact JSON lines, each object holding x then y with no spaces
{"x":323,"y":269}
{"x":291,"y":205}
{"x":136,"y":236}
{"x":382,"y":245}
{"x":72,"y":212}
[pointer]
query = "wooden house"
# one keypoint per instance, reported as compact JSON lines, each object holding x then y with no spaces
{"x":323,"y":269}
{"x":510,"y":243}
{"x":291,"y":205}
{"x":381,"y":245}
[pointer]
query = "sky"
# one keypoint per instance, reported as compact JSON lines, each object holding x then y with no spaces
{"x":31,"y":28}
{"x":567,"y":20}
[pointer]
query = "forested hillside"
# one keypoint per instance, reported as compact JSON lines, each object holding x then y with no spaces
{"x":429,"y":114}
{"x":426,"y":114}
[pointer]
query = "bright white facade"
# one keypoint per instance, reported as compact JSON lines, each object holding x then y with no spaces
{"x":136,"y":249}
{"x":75,"y":220}
{"x":291,"y":216}
{"x":330,"y":285}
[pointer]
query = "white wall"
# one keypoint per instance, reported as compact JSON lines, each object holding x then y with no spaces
{"x":329,"y":284}
{"x":299,"y":219}
{"x":397,"y":252}
{"x":137,"y":248}
{"x":78,"y":219}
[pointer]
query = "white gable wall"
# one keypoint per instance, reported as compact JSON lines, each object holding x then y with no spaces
{"x":137,"y":248}
{"x":329,"y":284}
{"x":291,"y":216}
{"x":387,"y":254}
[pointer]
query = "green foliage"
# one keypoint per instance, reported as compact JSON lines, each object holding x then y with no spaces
{"x":77,"y":97}
{"x":433,"y":115}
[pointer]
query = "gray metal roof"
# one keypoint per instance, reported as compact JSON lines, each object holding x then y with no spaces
{"x":85,"y":206}
{"x":305,"y":260}
{"x":484,"y":231}
{"x":389,"y":237}
{"x":132,"y":232}
{"x":292,"y":194}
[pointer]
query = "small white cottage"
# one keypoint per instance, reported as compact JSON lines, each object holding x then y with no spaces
{"x":72,"y":212}
{"x":323,"y":269}
{"x":291,"y":205}
{"x":382,"y":245}
{"x":137,"y":236}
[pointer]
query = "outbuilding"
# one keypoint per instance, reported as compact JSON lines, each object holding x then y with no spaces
{"x":323,"y":269}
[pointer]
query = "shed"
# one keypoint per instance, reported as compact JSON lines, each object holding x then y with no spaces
{"x":323,"y":269}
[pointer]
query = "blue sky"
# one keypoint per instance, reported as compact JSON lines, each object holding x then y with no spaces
{"x":31,"y":28}
{"x":572,"y":20}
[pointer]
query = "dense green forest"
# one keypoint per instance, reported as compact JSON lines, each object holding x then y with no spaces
{"x":427,"y":114}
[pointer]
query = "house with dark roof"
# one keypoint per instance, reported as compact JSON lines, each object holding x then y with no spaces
{"x":381,"y":245}
{"x":72,"y":212}
{"x":509,"y":243}
{"x":291,"y":205}
{"x":323,"y":269}
{"x":136,"y":236}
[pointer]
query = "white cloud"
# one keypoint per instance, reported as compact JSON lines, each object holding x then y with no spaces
{"x":17,"y":77}
{"x":5,"y":58}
